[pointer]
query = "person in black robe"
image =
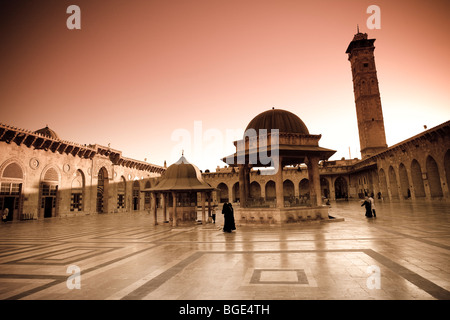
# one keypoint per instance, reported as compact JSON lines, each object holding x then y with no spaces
{"x":368,"y":207}
{"x":228,"y":215}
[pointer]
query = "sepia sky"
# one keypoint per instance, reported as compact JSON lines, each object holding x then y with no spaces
{"x":153,"y":78}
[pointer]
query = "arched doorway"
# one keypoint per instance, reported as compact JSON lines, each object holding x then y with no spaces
{"x":417,"y":180}
{"x":11,"y":190}
{"x":341,"y":188}
{"x":433,"y":178}
{"x":49,"y":193}
{"x":77,"y":192}
{"x":136,"y":195}
{"x":222,"y":193}
{"x":102,"y":190}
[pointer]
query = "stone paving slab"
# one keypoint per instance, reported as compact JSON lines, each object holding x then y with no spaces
{"x":403,"y":254}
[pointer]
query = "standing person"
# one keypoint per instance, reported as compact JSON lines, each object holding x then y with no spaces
{"x":228,"y":224}
{"x":372,"y":205}
{"x":213,"y":214}
{"x":368,"y":207}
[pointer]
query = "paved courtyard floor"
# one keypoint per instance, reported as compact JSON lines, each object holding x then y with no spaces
{"x":403,"y":254}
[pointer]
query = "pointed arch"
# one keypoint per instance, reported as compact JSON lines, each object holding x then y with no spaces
{"x":102,"y":190}
{"x":288,"y":189}
{"x":271,"y":194}
{"x":222,"y":193}
{"x":434,"y":179}
{"x":393,"y":182}
{"x":404,"y":181}
{"x":77,"y":192}
{"x":50,"y":179}
{"x":341,"y":188}
{"x":12,"y":177}
{"x":417,"y":180}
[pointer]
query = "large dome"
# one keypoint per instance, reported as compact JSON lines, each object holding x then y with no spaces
{"x":284,"y":121}
{"x":47,"y":132}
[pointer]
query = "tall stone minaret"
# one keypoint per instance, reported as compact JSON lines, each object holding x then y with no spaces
{"x":372,"y":137}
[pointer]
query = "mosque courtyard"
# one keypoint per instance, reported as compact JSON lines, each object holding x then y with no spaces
{"x":403,"y":254}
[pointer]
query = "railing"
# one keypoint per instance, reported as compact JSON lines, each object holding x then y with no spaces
{"x":291,"y":201}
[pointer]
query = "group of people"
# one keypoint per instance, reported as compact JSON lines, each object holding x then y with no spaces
{"x":369,"y":204}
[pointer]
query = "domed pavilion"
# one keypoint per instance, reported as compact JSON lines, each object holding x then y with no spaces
{"x":274,"y":139}
{"x":179,"y":186}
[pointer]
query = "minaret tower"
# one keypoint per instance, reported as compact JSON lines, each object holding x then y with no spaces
{"x":372,"y":137}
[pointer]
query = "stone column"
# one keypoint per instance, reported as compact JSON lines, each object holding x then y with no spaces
{"x":209,"y":195}
{"x":279,"y":184}
{"x":247,"y":181}
{"x":230,"y":193}
{"x":332,"y":189}
{"x":174,"y":206}
{"x":164,"y":205}
{"x":314,"y":181}
{"x":155,"y":208}
{"x":203,"y":208}
{"x":242,"y":191}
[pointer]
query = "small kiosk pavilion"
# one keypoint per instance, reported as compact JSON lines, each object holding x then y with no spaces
{"x":277,"y":138}
{"x":179,"y":187}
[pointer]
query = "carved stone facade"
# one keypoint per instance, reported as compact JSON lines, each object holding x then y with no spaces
{"x":43,"y":176}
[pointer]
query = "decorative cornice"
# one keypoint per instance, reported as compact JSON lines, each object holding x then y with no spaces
{"x":30,"y":139}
